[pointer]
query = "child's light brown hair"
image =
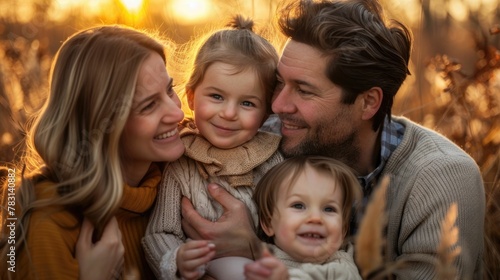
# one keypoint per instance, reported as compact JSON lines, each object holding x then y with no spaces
{"x":237,"y":45}
{"x":279,"y":178}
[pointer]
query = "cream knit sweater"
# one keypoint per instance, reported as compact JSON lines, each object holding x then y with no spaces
{"x":340,"y":266}
{"x":237,"y":170}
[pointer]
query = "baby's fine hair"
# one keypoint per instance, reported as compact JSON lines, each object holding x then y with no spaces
{"x":239,"y":46}
{"x":283,"y":175}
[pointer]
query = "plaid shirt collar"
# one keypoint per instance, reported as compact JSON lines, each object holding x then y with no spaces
{"x":392,"y":135}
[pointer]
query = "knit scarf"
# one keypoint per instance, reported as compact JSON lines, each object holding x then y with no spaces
{"x":235,"y":164}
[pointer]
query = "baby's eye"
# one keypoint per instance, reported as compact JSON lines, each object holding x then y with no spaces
{"x":330,"y":209}
{"x":298,"y":206}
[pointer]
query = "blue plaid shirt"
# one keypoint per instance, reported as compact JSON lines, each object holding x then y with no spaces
{"x":392,"y":135}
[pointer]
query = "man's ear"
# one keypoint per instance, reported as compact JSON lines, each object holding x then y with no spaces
{"x":190,"y":98}
{"x":268,"y":230}
{"x":371,"y":101}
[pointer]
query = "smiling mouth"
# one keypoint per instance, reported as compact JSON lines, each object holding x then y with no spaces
{"x":311,"y":235}
{"x":290,"y":126}
{"x":166,"y":134}
{"x":223,"y":128}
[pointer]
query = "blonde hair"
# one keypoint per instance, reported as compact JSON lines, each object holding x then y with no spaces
{"x":75,"y":140}
{"x":283,"y":175}
{"x":236,"y":45}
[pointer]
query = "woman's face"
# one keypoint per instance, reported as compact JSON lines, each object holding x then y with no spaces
{"x":150,"y":133}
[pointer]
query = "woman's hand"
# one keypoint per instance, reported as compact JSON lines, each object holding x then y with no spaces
{"x":103,"y":259}
{"x":192,"y":258}
{"x":233,"y":233}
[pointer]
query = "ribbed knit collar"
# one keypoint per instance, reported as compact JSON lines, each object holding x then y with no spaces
{"x":235,"y":164}
{"x":140,"y":199}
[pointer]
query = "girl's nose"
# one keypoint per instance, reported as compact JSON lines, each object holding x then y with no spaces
{"x":229,"y":111}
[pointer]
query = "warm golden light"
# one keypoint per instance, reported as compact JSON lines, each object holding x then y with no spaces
{"x":132,"y":6}
{"x":191,"y":11}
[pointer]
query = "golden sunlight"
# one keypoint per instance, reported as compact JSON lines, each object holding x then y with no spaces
{"x":191,"y":11}
{"x":133,"y":6}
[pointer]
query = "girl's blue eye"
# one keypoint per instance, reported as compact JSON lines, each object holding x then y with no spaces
{"x":248,"y":104}
{"x":216,"y":96}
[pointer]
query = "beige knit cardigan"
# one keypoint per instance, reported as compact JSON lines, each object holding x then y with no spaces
{"x":237,"y":170}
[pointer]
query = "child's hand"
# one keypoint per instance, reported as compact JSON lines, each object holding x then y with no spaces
{"x":266,"y":267}
{"x":192,"y":258}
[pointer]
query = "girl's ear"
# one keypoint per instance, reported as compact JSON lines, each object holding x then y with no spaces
{"x":268,"y":230}
{"x":190,"y":98}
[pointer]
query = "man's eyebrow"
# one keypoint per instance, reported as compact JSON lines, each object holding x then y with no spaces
{"x":299,"y":82}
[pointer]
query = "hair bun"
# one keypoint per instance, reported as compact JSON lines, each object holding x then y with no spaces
{"x":239,"y":22}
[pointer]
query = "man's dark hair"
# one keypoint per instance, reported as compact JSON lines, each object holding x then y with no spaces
{"x":361,"y":50}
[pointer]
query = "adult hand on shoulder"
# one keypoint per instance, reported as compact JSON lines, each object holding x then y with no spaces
{"x":103,"y":259}
{"x":232,"y":233}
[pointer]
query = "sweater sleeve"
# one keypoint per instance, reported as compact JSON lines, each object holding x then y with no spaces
{"x":51,"y":243}
{"x":433,"y":188}
{"x":164,"y":233}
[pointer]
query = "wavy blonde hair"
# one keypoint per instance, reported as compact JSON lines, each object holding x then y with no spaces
{"x":74,"y":141}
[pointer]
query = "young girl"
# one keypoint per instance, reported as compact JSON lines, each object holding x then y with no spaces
{"x":229,"y":90}
{"x":110,"y":114}
{"x":304,"y":206}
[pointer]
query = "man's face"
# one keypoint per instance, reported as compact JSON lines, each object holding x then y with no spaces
{"x":314,"y":119}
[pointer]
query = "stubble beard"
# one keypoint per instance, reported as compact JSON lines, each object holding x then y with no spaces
{"x":344,"y":149}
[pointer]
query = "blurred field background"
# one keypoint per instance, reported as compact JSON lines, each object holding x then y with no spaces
{"x":454,"y":86}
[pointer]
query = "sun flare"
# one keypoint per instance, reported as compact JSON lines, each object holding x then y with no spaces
{"x":132,"y":6}
{"x":191,"y":11}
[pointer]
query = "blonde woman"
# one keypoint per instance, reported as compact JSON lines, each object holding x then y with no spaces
{"x":90,"y":179}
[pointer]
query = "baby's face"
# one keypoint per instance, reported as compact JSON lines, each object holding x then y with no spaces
{"x":308,"y":222}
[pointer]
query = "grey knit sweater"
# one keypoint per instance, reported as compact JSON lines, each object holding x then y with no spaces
{"x":428,"y":173}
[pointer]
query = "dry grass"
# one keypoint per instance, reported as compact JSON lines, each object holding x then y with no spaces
{"x":370,"y":240}
{"x":447,"y":250}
